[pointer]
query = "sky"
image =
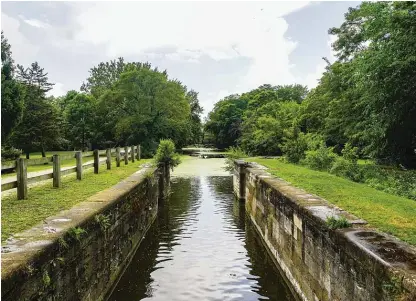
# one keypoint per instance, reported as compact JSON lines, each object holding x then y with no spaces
{"x":214,"y":48}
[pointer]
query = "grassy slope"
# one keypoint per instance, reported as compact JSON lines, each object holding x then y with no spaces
{"x":45,"y":200}
{"x":389,"y":213}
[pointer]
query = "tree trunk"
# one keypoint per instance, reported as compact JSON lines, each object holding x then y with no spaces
{"x":27,"y":155}
{"x":43,"y":151}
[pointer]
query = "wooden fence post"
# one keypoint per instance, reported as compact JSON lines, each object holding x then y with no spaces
{"x":78,"y":157}
{"x":118,"y":156}
{"x":126,"y":155}
{"x":132,"y":153}
{"x":108,"y":153}
{"x":139,"y":152}
{"x":56,"y":171}
{"x":96,"y":160}
{"x":21,"y":169}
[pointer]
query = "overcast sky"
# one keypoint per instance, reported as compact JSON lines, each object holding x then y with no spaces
{"x":215,"y":48}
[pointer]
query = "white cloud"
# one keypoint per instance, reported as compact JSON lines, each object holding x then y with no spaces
{"x":57,"y":90}
{"x":36,"y":23}
{"x":312,"y":79}
{"x":220,"y":30}
{"x":23,"y":51}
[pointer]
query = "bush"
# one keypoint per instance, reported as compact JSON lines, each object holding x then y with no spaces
{"x":166,"y":154}
{"x":347,"y":169}
{"x":234,"y":153}
{"x":294,"y":149}
{"x":9,"y":153}
{"x":320,"y":159}
{"x":350,"y":153}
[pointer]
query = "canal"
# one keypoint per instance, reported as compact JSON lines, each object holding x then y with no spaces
{"x":202,"y":246}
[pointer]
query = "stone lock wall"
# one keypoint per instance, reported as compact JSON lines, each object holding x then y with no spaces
{"x":80,"y":253}
{"x":353,"y":264}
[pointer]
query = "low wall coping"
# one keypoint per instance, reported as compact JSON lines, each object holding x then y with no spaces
{"x":27,"y":246}
{"x":397,"y":256}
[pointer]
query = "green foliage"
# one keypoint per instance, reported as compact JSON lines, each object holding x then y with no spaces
{"x":144,"y":106}
{"x":337,"y":223}
{"x":166,"y":154}
{"x":233,"y":153}
{"x":103,"y":221}
{"x":46,"y":279}
{"x":9,"y":153}
{"x":63,"y":245}
{"x":347,"y":169}
{"x":224,"y":121}
{"x":76,"y":233}
{"x":295,"y":146}
{"x":78,"y":111}
{"x":11,"y":98}
{"x":394,"y":287}
{"x":350,"y":153}
{"x":320,"y":159}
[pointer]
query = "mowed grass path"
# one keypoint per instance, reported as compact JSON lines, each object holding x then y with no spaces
{"x":44,"y":200}
{"x":388,"y":213}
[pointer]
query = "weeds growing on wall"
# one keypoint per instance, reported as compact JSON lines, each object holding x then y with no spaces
{"x":337,"y":223}
{"x":75,"y":233}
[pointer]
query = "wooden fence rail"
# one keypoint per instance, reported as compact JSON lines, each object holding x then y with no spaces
{"x":22,"y":179}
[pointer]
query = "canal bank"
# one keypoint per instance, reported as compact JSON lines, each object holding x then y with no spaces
{"x":355,"y":263}
{"x":79,"y":253}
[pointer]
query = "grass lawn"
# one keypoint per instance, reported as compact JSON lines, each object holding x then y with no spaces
{"x":64,"y":163}
{"x":38,"y":155}
{"x":44,"y":201}
{"x":386,"y":212}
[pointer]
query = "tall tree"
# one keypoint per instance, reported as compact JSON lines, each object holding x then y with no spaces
{"x":195,"y":118}
{"x":11,"y":93}
{"x":79,"y":118}
{"x":379,"y":39}
{"x":39,"y":127}
{"x":103,"y":76}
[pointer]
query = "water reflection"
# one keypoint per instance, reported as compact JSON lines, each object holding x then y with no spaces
{"x":201,"y":247}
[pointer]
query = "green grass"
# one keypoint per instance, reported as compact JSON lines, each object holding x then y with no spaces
{"x":389,"y":213}
{"x":38,"y":155}
{"x":64,"y":163}
{"x":44,"y":201}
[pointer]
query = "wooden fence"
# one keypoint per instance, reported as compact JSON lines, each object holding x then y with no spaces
{"x":22,"y":179}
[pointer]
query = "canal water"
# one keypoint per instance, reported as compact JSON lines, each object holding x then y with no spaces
{"x":202,"y":246}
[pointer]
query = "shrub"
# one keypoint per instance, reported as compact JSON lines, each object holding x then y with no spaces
{"x":347,"y":169}
{"x":350,"y":153}
{"x":234,"y":153}
{"x":166,"y":154}
{"x":320,"y":159}
{"x":9,"y":153}
{"x":294,"y":148}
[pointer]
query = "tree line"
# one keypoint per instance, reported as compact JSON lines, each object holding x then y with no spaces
{"x":120,"y":103}
{"x":365,"y":100}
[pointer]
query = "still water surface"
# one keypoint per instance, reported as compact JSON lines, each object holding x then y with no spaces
{"x":201,"y":247}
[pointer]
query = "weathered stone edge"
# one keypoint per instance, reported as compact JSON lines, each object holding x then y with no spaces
{"x":302,"y":200}
{"x":30,"y":249}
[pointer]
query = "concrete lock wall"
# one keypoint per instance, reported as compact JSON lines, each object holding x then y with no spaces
{"x":353,"y":264}
{"x":80,"y":253}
